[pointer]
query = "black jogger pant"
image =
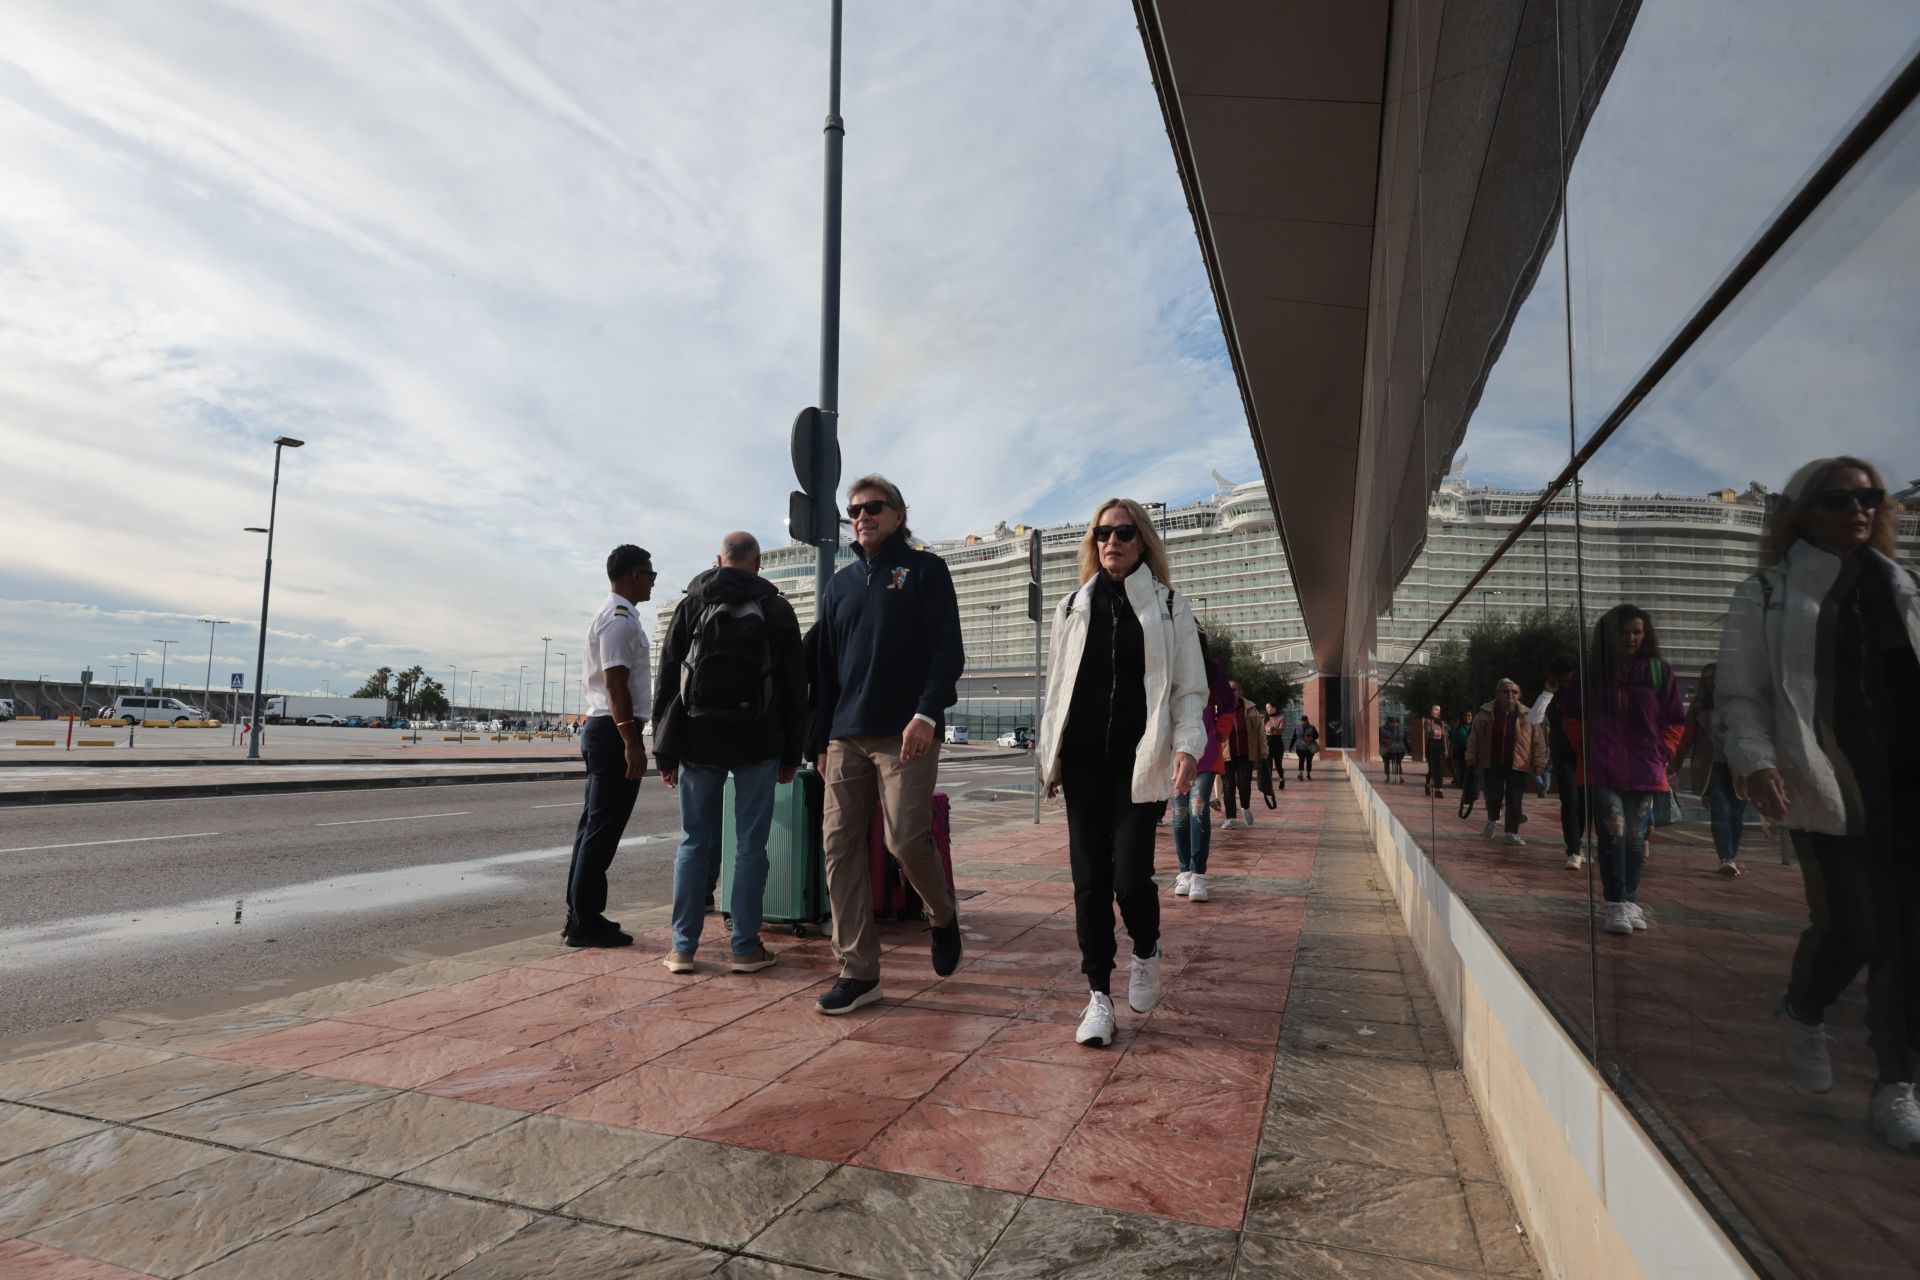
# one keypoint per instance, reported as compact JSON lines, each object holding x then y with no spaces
{"x":1238,"y":784}
{"x":1110,"y":844}
{"x":603,"y":819}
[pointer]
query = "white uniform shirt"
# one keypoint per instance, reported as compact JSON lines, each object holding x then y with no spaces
{"x":616,"y":639}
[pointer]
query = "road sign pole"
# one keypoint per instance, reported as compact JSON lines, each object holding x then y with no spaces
{"x":826,"y":440}
{"x":1034,"y":600}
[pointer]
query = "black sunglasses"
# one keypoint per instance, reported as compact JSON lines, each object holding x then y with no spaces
{"x":1124,"y":532}
{"x":872,"y":508}
{"x":1841,"y":499}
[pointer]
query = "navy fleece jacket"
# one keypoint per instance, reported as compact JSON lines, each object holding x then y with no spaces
{"x":890,"y":645}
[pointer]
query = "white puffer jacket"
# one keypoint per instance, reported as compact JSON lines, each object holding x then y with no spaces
{"x":1770,"y":675}
{"x":1176,"y":681}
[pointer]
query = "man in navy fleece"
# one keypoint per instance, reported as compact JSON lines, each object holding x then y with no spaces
{"x":890,"y":660}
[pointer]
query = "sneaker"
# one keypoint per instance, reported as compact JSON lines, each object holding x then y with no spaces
{"x":1143,"y":980}
{"x":1575,"y":861}
{"x":1729,"y":868}
{"x":1246,"y":819}
{"x":1231,"y":824}
{"x":678,"y":962}
{"x":1487,"y":832}
{"x":753,"y":961}
{"x":1096,"y":1024}
{"x":1636,"y":917}
{"x":1197,"y":891}
{"x":1805,"y":1048}
{"x":596,"y":936}
{"x":946,"y":946}
{"x":1893,"y":1115}
{"x":1617,"y":919}
{"x":846,"y":995}
{"x":1513,"y":837}
{"x":1180,"y":883}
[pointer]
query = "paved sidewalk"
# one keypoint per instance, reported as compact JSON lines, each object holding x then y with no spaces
{"x":1292,"y":1109}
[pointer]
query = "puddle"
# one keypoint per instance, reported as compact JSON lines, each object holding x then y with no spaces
{"x":35,"y":946}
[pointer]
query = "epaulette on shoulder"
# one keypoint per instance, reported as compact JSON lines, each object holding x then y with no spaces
{"x":621,"y":611}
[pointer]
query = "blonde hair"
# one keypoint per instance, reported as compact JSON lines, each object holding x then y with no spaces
{"x":1784,"y":528}
{"x":1153,"y":552}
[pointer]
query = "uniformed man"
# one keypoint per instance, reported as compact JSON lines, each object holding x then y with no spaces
{"x":619,"y":690}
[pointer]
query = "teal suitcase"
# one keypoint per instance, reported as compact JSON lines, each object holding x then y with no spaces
{"x":796,"y":866}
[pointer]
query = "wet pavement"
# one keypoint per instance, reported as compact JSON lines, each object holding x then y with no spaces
{"x":1292,"y":1108}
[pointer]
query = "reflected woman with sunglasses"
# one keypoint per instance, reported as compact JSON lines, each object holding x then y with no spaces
{"x":1819,"y":690}
{"x":1126,"y":684}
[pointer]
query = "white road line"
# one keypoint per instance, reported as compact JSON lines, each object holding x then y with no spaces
{"x":568,"y":805}
{"x":85,"y":844}
{"x":412,"y":817}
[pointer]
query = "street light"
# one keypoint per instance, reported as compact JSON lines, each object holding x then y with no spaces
{"x":520,"y":692}
{"x":266,"y":590}
{"x":544,"y":641}
{"x":164,"y":645}
{"x":563,"y":688}
{"x":213,"y":629}
{"x":136,"y":665}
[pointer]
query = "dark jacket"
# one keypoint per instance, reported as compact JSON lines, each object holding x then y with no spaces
{"x":781,"y":733}
{"x":890,"y":645}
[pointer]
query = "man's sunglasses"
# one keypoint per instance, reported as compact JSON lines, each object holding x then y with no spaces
{"x":1841,"y":499}
{"x":872,"y":508}
{"x":1124,"y":532}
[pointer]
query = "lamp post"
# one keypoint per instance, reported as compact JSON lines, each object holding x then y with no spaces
{"x":563,"y":688}
{"x":266,"y":590}
{"x":164,"y":646}
{"x":118,"y":667}
{"x":213,"y":629}
{"x":544,"y":642}
{"x":453,"y":691}
{"x":520,"y":693}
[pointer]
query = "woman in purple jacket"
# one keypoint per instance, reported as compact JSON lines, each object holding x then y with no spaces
{"x":1192,"y":819}
{"x":1625,"y":724}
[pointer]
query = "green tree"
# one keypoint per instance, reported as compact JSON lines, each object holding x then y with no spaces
{"x":1260,"y":682}
{"x":1460,"y":675}
{"x":406,"y":687}
{"x":431,"y":699}
{"x":378,"y":685}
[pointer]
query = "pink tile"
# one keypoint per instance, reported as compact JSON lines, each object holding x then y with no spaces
{"x":625,"y":1040}
{"x":1151,"y":1173}
{"x":22,"y":1260}
{"x":796,"y":1016}
{"x":409,"y":1063}
{"x":1011,"y":1086}
{"x":795,"y":1120}
{"x":746,"y":1052}
{"x":530,"y":1021}
{"x":659,"y":1099}
{"x":302,"y":1046}
{"x":930,"y":1029}
{"x":879,"y":1070}
{"x":979,"y":994}
{"x":596,"y":960}
{"x":529,"y":1080}
{"x":1053,"y":1042}
{"x":1200,"y":1061}
{"x":625,"y":990}
{"x":463,"y":999}
{"x":1210,"y":1019}
{"x":1206,"y":1111}
{"x":983,"y":1148}
{"x":711,"y":1003}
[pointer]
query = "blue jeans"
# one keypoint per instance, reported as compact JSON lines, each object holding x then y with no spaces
{"x":1193,"y":823}
{"x":1621,"y":820}
{"x":1727,"y":811}
{"x":702,"y":816}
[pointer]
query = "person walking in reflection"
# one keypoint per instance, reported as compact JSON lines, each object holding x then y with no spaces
{"x":1819,"y":690}
{"x":1192,"y":818}
{"x":1561,"y":676}
{"x":1624,"y":731}
{"x":1273,"y":774}
{"x":1508,"y":751}
{"x":1305,"y":746}
{"x":1393,"y":749}
{"x":1243,"y":745}
{"x":1123,"y":732}
{"x":1432,"y":734}
{"x":1467,"y":779}
{"x":1709,"y":777}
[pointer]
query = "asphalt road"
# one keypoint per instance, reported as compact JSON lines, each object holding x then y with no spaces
{"x":105,"y":907}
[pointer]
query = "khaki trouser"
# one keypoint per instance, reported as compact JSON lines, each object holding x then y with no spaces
{"x":861,"y":771}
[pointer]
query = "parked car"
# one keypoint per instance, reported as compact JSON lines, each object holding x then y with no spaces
{"x":1018,"y":736}
{"x":400,"y":722}
{"x":325,"y":719}
{"x":6,"y":709}
{"x":355,"y":722}
{"x":133,"y":708}
{"x":957,"y":735}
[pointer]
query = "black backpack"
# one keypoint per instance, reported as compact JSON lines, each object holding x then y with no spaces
{"x":727,"y":675}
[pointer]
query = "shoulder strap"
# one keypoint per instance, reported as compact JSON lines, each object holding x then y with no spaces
{"x":1659,"y":672}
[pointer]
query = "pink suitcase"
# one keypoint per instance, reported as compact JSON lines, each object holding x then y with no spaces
{"x":893,"y":897}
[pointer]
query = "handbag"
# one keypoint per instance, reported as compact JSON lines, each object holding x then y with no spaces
{"x":1666,"y":809}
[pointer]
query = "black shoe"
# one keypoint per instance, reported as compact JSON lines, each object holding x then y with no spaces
{"x":607,"y":935}
{"x":946,"y":946}
{"x":847,"y":995}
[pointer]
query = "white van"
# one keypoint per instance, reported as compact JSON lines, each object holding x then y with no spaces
{"x":133,"y":708}
{"x":6,"y":708}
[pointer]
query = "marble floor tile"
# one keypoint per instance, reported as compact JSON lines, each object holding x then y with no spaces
{"x":429,"y":974}
{"x":1311,"y":976}
{"x":1210,"y":1113}
{"x":333,"y":1000}
{"x":25,"y":1260}
{"x":981,"y":1148}
{"x":24,"y":1130}
{"x":1209,"y":1019}
{"x":43,"y":1072}
{"x":796,"y":1016}
{"x":711,"y":1003}
{"x":540,"y":1162}
{"x":393,"y":1135}
{"x":147,"y":1091}
{"x":190,"y":1219}
{"x":1152,"y":1173}
{"x":199,"y":1035}
{"x":880,"y":1070}
{"x":1052,"y":1240}
{"x":527,"y":1022}
{"x":1272,"y":1258}
{"x":1363,"y":1207}
{"x":429,"y":1009}
{"x":262,"y":1112}
{"x":658,"y":1099}
{"x":627,"y":1039}
{"x":1351,"y":1006}
{"x":46,"y":1186}
{"x":862,"y":1222}
{"x":1050,"y":1042}
{"x":796,"y":1120}
{"x":554,"y":1249}
{"x":593,"y":961}
{"x":744,"y":1052}
{"x":1366,"y":1039}
{"x":1413,"y":1139}
{"x":1451,"y":1085}
{"x":703,"y":1191}
{"x":626,"y":989}
{"x":410,"y":1063}
{"x":1504,"y":1248}
{"x":742,"y":1267}
{"x":931,"y":1029}
{"x":301,"y":1046}
{"x":530,"y":1079}
{"x":1012,"y":1086}
{"x":1470,"y":1148}
{"x":388,"y":1233}
{"x":1196,"y":1059}
{"x":1313,"y":1077}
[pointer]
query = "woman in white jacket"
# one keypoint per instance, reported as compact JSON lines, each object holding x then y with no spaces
{"x":1819,"y":690}
{"x":1122,"y":730}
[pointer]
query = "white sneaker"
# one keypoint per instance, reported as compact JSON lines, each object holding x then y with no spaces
{"x":1730,"y":868}
{"x":1096,"y":1024}
{"x":1514,"y":838}
{"x":1805,"y":1048}
{"x":1636,"y":917}
{"x":1230,"y":824}
{"x":1197,"y":888}
{"x":1619,"y":919}
{"x":1575,"y":861}
{"x":1893,"y":1115}
{"x":1181,"y":881}
{"x":1486,"y":832}
{"x":1143,"y":981}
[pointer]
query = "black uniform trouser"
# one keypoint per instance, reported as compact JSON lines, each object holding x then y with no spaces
{"x":1110,"y":845}
{"x":603,"y":819}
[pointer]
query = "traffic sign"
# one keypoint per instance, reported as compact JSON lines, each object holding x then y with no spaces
{"x":1033,"y":555}
{"x":804,"y":446}
{"x":148,"y":682}
{"x":237,"y":679}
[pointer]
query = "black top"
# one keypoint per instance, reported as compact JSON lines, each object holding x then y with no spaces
{"x":779,"y":734}
{"x":1107,"y":715}
{"x":1875,"y":692}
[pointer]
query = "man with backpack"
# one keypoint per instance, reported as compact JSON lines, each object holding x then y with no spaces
{"x":732,"y":700}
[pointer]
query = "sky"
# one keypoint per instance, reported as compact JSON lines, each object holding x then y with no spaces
{"x":534,"y":280}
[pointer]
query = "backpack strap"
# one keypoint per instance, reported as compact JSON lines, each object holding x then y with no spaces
{"x":1659,"y":671}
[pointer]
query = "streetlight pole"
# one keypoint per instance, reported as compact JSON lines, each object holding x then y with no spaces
{"x":520,"y":692}
{"x":164,"y":646}
{"x":563,"y":689}
{"x":827,"y":439}
{"x":453,"y":691}
{"x":544,"y":642}
{"x":266,"y":591}
{"x":213,"y":629}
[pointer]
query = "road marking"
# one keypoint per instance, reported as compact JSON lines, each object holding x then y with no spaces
{"x":85,"y":844}
{"x":412,"y":817}
{"x":568,"y":805}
